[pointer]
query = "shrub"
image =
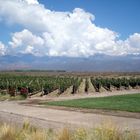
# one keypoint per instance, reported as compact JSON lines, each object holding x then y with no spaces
{"x":24,"y":92}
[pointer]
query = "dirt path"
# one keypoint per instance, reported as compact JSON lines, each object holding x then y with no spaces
{"x":53,"y":118}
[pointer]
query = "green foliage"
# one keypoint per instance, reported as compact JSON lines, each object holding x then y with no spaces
{"x":14,"y":84}
{"x":76,"y":84}
{"x":115,"y":82}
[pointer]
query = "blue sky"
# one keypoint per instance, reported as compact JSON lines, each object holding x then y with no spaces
{"x":122,"y":16}
{"x":70,"y":28}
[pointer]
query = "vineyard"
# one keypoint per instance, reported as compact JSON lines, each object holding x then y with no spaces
{"x":45,"y":85}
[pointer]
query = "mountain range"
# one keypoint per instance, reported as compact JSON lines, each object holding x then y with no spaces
{"x":98,"y":62}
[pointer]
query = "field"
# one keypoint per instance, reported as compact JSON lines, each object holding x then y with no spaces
{"x":28,"y":84}
{"x":74,"y":90}
{"x":129,"y":103}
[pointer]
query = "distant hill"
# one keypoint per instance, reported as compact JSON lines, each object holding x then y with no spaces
{"x":97,"y":62}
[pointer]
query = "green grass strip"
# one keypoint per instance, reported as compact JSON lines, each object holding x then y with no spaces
{"x":129,"y":103}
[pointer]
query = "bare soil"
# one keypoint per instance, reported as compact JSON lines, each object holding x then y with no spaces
{"x":57,"y":117}
{"x":14,"y":112}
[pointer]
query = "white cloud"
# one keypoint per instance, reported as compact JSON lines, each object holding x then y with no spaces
{"x":25,"y":38}
{"x":2,"y":49}
{"x":26,"y":42}
{"x":134,"y":40}
{"x":55,"y":33}
{"x":29,"y":49}
{"x":133,"y":44}
{"x":31,"y":16}
{"x":30,"y":1}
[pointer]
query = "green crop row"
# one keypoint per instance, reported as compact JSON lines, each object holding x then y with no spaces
{"x":117,"y":83}
{"x":32,"y":84}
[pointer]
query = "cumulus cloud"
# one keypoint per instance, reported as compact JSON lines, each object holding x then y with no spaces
{"x":2,"y":49}
{"x":30,"y":1}
{"x":133,"y":44}
{"x":54,"y":33}
{"x":26,"y":42}
{"x":134,"y":40}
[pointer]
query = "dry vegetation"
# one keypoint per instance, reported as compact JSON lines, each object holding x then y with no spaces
{"x":107,"y":131}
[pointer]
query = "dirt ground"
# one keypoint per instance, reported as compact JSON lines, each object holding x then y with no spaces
{"x":16,"y":113}
{"x":53,"y":118}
